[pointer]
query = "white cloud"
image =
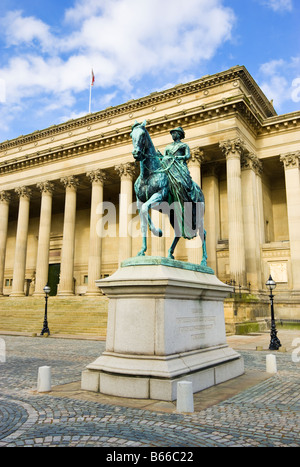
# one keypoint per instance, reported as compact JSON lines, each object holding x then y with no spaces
{"x":2,"y":90}
{"x":126,"y":42}
{"x":279,"y":5}
{"x":20,"y":30}
{"x":281,"y":80}
{"x":121,"y":39}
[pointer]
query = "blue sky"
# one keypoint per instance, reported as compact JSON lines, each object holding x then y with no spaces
{"x":136,"y":47}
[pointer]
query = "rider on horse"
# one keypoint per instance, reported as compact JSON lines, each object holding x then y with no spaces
{"x":183,"y":190}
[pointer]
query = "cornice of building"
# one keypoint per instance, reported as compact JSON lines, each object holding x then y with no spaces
{"x":187,"y":118}
{"x":253,"y":108}
{"x":238,"y":72}
{"x":282,"y":122}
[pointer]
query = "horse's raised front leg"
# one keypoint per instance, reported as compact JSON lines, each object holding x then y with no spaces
{"x":145,"y":219}
{"x":156,"y":231}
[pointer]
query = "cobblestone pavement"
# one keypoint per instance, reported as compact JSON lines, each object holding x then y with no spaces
{"x":266,"y":414}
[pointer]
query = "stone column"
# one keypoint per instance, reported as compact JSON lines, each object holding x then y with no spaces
{"x":4,"y":212}
{"x":212,"y":213}
{"x":66,"y":284}
{"x":251,"y":168}
{"x":97,"y":178}
{"x":194,"y":246}
{"x":260,"y":200}
{"x":194,"y":164}
{"x":126,"y":173}
{"x":24,"y":194}
{"x":42,"y":262}
{"x":291,"y":163}
{"x":237,"y":262}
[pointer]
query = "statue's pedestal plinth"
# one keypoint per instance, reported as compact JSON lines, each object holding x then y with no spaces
{"x":165,"y":324}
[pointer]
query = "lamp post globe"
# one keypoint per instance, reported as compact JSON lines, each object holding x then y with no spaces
{"x":47,"y":289}
{"x":271,"y":284}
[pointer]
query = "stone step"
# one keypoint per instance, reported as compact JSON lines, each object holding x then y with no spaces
{"x":86,"y":316}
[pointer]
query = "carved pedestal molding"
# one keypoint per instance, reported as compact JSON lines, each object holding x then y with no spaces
{"x":24,"y":194}
{"x":5,"y":199}
{"x":97,"y":178}
{"x":233,"y":150}
{"x":291,"y":163}
{"x":66,"y":285}
{"x":126,"y":173}
{"x":42,"y":262}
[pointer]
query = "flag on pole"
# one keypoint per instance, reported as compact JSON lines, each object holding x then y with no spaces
{"x":92,"y":84}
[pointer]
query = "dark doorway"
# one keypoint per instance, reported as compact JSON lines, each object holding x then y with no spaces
{"x":53,"y":278}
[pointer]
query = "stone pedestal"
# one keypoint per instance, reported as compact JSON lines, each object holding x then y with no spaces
{"x":165,"y":325}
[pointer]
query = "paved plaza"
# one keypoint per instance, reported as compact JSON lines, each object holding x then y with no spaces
{"x":257,"y":409}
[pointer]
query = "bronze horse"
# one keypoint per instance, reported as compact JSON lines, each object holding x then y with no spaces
{"x":153,"y":190}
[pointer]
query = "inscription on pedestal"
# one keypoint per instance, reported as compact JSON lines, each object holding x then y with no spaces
{"x":193,"y":325}
{"x":196,"y":325}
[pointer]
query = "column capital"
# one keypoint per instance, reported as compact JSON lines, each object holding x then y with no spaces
{"x":197,"y":156}
{"x":70,"y":182}
{"x":232,"y":148}
{"x":126,"y":170}
{"x":251,"y":162}
{"x":23,"y":192}
{"x":5,"y":197}
{"x":291,"y":160}
{"x":46,"y":187}
{"x":97,"y":176}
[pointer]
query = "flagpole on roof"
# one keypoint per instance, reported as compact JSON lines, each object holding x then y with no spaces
{"x":91,"y":85}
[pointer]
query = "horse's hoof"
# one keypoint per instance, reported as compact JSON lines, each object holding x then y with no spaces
{"x":170,"y":256}
{"x":157,"y":232}
{"x":141,"y":253}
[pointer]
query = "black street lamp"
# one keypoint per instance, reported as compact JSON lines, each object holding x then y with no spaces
{"x":45,"y":329}
{"x":274,"y":342}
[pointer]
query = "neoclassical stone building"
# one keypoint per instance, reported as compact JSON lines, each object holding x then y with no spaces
{"x":244,"y":156}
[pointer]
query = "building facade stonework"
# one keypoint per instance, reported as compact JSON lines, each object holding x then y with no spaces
{"x":245,"y":157}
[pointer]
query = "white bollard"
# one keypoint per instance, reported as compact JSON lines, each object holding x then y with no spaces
{"x":185,"y":397}
{"x":271,"y":364}
{"x":44,"y":379}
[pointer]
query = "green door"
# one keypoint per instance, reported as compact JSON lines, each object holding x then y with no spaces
{"x":53,"y":278}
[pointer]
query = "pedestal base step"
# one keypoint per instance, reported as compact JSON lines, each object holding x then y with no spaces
{"x":150,"y":386}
